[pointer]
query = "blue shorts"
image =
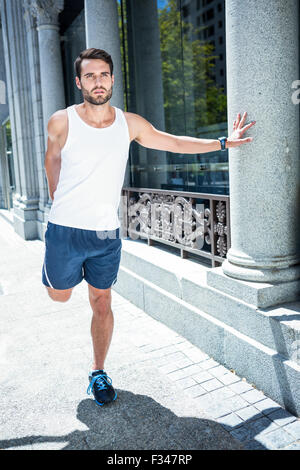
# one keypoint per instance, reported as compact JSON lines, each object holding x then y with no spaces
{"x":73,"y":254}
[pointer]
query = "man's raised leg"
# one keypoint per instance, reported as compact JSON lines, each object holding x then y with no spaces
{"x":59,"y":295}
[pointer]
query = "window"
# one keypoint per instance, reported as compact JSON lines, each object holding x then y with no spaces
{"x":185,"y":11}
{"x":210,"y":14}
{"x":211,"y":30}
{"x":183,"y":76}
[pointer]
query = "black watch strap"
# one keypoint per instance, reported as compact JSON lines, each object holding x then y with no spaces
{"x":223,"y":140}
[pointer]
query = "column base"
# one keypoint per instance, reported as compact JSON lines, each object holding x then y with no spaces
{"x":25,"y":217}
{"x":259,"y":294}
{"x":273,"y":269}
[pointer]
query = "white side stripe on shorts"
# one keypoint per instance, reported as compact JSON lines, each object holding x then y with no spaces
{"x":47,"y":275}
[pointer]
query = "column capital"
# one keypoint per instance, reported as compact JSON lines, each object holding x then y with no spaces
{"x":45,"y":11}
{"x":29,"y":18}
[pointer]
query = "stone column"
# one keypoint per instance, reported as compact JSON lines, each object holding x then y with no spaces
{"x":4,"y":113}
{"x":52,"y":83}
{"x":25,"y":203}
{"x":262,"y":62}
{"x":51,"y":71}
{"x":102,"y":32}
{"x":37,"y":109}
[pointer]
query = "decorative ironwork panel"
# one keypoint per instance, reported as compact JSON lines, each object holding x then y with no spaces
{"x":177,"y":219}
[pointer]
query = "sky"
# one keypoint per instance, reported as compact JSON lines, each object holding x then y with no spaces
{"x":161,"y":3}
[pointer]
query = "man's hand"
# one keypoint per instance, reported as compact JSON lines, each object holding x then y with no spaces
{"x":235,"y":139}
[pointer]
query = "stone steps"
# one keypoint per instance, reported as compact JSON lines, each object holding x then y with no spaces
{"x":259,"y":344}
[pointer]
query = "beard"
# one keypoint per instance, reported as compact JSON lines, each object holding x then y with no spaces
{"x":97,"y":100}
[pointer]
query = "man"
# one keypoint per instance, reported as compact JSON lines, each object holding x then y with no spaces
{"x":85,"y":165}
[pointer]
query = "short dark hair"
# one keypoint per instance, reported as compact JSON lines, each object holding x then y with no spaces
{"x":92,"y":53}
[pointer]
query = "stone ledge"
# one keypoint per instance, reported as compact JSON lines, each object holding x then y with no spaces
{"x":256,"y":293}
{"x":276,"y":327}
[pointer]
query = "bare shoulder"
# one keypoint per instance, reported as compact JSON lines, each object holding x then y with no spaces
{"x":134,"y":118}
{"x":58,"y":123}
{"x":135,"y":124}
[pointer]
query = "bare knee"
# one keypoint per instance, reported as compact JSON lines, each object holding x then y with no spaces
{"x":59,"y":295}
{"x":100,"y":299}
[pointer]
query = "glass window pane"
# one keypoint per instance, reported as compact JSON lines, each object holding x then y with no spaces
{"x":175,"y":72}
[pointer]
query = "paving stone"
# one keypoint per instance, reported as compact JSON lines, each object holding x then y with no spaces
{"x":168,"y":367}
{"x":249,"y":413}
{"x":184,"y":346}
{"x":184,"y":363}
{"x":158,"y":350}
{"x":271,"y":427}
{"x":230,"y":421}
{"x":196,"y":355}
{"x":187,"y":382}
{"x":206,"y":402}
{"x":211,"y":385}
{"x":195,"y":391}
{"x":229,"y":378}
{"x":202,"y":377}
{"x":293,"y":428}
{"x":267,"y":406}
{"x":217,"y":409}
{"x":260,"y":426}
{"x":236,"y":402}
{"x":253,"y":396}
{"x":242,"y":433}
{"x":221,"y":394}
{"x":240,"y":387}
{"x":281,"y":417}
{"x":185,"y":372}
{"x":163,"y":360}
{"x":208,"y":364}
{"x":218,"y":371}
{"x":275,"y":439}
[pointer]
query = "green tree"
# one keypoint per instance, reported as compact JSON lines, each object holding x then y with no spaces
{"x":191,"y":97}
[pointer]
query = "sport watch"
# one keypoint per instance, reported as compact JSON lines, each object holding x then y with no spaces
{"x":223,"y":143}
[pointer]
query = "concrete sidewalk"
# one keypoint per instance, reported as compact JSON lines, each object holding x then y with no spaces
{"x":170,"y":394}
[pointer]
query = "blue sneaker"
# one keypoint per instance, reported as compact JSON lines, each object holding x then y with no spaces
{"x":101,"y":387}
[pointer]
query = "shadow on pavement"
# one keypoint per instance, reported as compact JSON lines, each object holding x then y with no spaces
{"x":136,"y":422}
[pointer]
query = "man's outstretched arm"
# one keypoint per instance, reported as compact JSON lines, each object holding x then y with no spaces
{"x":148,"y":136}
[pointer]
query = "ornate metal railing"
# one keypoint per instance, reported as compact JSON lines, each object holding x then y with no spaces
{"x":195,"y":223}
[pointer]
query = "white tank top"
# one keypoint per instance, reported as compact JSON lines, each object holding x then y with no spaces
{"x":93,"y":163}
